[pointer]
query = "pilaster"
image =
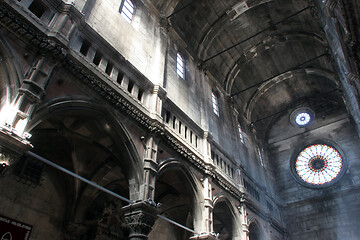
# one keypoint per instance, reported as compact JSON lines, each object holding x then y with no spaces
{"x":17,"y":114}
{"x":244,"y":220}
{"x":208,"y":205}
{"x":150,"y":168}
{"x":156,"y":99}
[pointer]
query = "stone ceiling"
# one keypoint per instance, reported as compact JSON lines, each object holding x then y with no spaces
{"x":267,"y":55}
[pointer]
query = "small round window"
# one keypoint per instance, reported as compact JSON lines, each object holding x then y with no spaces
{"x":302,"y":117}
{"x":318,"y":164}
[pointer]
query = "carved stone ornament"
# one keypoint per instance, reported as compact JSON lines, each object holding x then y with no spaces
{"x":140,"y":218}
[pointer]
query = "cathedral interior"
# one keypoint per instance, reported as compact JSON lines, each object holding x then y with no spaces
{"x":180,"y":119}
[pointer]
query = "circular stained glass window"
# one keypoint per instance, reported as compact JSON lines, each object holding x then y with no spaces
{"x":302,"y":118}
{"x":318,"y":164}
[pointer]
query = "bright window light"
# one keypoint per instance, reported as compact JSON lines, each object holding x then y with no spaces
{"x":318,"y":164}
{"x":240,"y":133}
{"x":215,"y":104}
{"x":127,"y":10}
{"x":180,"y":66}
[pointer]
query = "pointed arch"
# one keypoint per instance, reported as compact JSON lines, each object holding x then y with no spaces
{"x":89,"y":139}
{"x":177,"y":189}
{"x":114,"y":128}
{"x":255,"y":231}
{"x":225,"y":217}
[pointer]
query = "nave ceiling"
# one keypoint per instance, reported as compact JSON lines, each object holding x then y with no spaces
{"x":271,"y":57}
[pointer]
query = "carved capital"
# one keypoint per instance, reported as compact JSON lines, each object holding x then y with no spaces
{"x":140,"y":218}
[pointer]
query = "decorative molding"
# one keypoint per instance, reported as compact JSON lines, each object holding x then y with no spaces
{"x":140,"y":218}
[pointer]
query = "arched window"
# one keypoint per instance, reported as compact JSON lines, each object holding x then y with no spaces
{"x":180,"y":66}
{"x":215,"y":104}
{"x":127,"y":10}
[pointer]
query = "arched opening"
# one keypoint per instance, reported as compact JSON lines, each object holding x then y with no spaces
{"x":175,"y":190}
{"x":223,"y":219}
{"x":93,"y":145}
{"x":254,"y":232}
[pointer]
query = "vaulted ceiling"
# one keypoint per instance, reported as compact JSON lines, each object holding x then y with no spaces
{"x":268,"y":55}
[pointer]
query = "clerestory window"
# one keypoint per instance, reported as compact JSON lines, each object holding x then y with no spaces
{"x":180,"y":66}
{"x":215,"y":104}
{"x":127,"y":10}
{"x":260,"y":156}
{"x":241,"y":135}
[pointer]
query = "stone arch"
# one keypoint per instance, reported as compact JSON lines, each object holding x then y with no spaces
{"x":255,"y":231}
{"x":88,"y":139}
{"x":215,"y":29}
{"x":225,"y":218}
{"x":177,"y":189}
{"x":59,"y":106}
{"x":266,"y":45}
{"x":263,"y":88}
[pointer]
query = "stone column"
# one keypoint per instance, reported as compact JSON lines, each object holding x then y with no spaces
{"x":208,"y":205}
{"x":150,"y":168}
{"x":244,"y":219}
{"x":140,"y":218}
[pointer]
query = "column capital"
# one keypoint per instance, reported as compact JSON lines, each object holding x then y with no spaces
{"x":140,"y":218}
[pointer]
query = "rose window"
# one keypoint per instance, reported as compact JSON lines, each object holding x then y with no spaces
{"x":318,"y":164}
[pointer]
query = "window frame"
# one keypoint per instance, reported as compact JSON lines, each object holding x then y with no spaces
{"x":123,"y":6}
{"x":180,"y":65}
{"x":215,"y":103}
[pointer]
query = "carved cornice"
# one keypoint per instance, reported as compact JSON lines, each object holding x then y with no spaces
{"x":208,"y":169}
{"x":14,"y":24}
{"x":18,"y":27}
{"x":112,"y":96}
